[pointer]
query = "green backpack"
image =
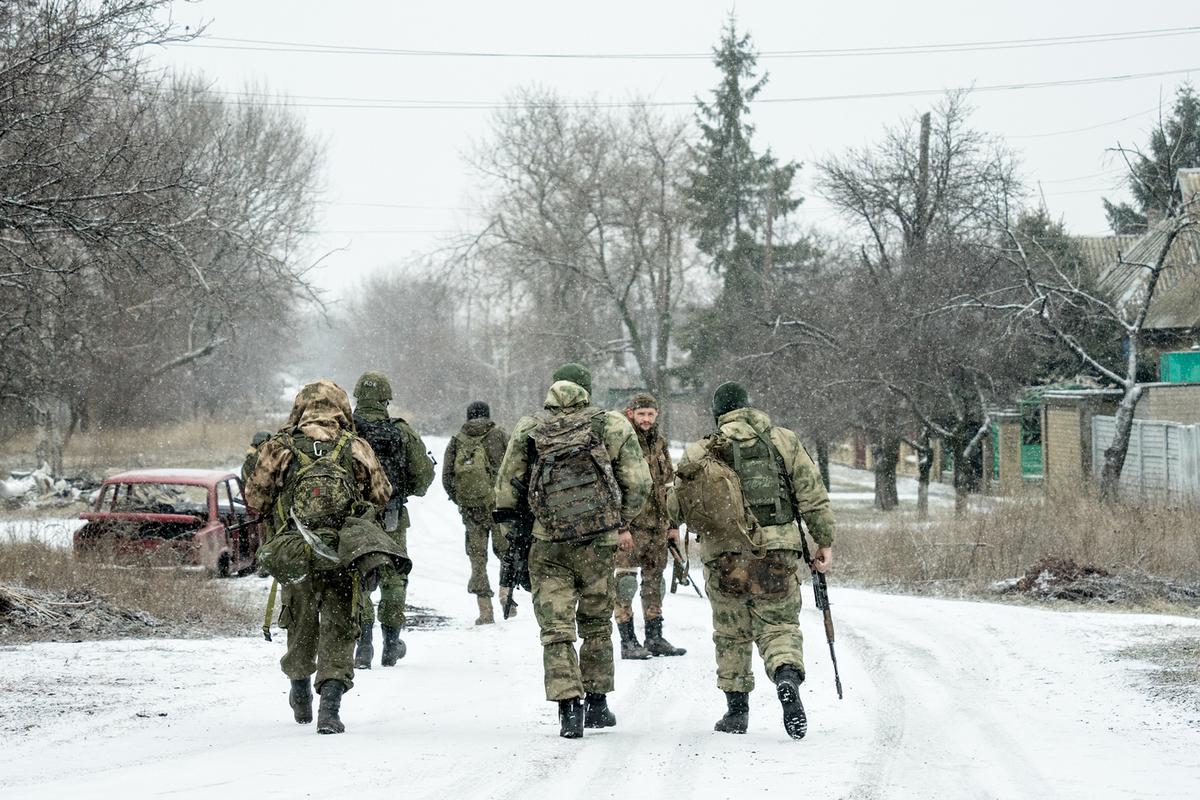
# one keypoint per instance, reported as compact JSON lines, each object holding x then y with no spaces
{"x":764,"y":486}
{"x":572,"y":490}
{"x":320,"y":489}
{"x":473,"y":479}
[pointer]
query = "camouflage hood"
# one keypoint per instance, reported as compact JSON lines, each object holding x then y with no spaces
{"x":565,"y":396}
{"x":743,"y":424}
{"x":478,"y":426}
{"x":321,"y":411}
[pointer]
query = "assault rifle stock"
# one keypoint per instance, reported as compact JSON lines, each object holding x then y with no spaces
{"x":514,"y":568}
{"x":679,"y":572}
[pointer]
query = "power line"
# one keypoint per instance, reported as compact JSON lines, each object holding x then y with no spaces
{"x":383,"y":104}
{"x":1088,"y":128}
{"x":394,"y":205}
{"x":268,"y":45}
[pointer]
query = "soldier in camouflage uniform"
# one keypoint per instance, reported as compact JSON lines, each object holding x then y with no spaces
{"x":252,"y":456}
{"x":404,"y":457}
{"x":469,"y":469}
{"x":752,"y":581}
{"x":651,"y":531}
{"x":572,"y":574}
{"x":319,"y":612}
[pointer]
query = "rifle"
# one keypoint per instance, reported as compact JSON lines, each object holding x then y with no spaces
{"x":679,"y":571}
{"x":821,"y":594}
{"x":514,"y":568}
{"x":820,"y":588}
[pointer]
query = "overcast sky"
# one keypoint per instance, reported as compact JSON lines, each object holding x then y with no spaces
{"x":397,"y":183}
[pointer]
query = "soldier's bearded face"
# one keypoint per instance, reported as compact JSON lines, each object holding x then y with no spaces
{"x":644,"y":418}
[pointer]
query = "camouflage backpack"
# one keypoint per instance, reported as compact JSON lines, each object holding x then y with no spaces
{"x":320,"y":489}
{"x":713,"y":505}
{"x":473,"y":479}
{"x":572,"y":490}
{"x":388,"y":443}
{"x":759,"y":469}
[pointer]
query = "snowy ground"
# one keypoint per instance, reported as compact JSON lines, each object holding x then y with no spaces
{"x":944,"y":699}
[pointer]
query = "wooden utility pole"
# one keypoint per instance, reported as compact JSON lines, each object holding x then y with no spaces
{"x":921,"y":216}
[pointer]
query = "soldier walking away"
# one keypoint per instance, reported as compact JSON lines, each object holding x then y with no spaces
{"x":252,"y":455}
{"x":314,"y":475}
{"x":584,"y":477}
{"x":409,"y":468}
{"x":745,"y":489}
{"x":469,"y":469}
{"x":651,"y":531}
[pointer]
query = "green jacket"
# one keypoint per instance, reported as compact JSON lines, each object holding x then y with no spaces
{"x":495,"y":440}
{"x":811,"y":499}
{"x":420,"y":465}
{"x":629,"y":467}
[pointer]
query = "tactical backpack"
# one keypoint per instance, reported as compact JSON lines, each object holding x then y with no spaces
{"x":712,"y":503}
{"x":320,"y":490}
{"x":572,"y":490}
{"x":388,"y":443}
{"x":759,"y":470}
{"x":473,"y":479}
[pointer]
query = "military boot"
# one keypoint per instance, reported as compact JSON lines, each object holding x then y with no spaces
{"x":485,"y":611}
{"x":596,"y":713}
{"x":393,"y":646}
{"x":328,"y":720}
{"x":505,"y":594}
{"x":656,"y":645}
{"x":365,"y":651}
{"x":300,"y":698}
{"x":570,"y":717}
{"x":787,"y":686}
{"x":630,"y":647}
{"x":737,"y":718}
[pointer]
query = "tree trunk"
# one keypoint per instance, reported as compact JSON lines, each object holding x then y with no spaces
{"x":48,"y":417}
{"x":924,"y":468}
{"x":1114,"y":456}
{"x":823,"y":462}
{"x":885,"y":453}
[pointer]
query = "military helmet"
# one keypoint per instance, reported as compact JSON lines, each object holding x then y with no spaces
{"x":373,"y":386}
{"x":259,"y":438}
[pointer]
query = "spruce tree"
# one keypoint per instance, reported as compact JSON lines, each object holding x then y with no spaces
{"x":1174,"y":144}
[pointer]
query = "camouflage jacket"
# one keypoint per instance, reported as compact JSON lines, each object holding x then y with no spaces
{"x":811,"y":499}
{"x":321,"y":412}
{"x":659,"y":514}
{"x":495,"y":440}
{"x":419,"y":465}
{"x":629,"y":467}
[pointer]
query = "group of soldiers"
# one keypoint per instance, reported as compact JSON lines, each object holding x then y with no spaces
{"x":597,"y":492}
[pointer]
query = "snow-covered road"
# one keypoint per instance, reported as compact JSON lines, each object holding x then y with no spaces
{"x":944,"y":699}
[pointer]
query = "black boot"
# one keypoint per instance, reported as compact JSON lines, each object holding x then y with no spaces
{"x":366,"y":647}
{"x":737,"y":718}
{"x":300,"y":699}
{"x":596,"y":713}
{"x":630,"y":647}
{"x":328,"y":720}
{"x":393,"y":646}
{"x":787,"y":686}
{"x":570,"y":717}
{"x":656,"y":645}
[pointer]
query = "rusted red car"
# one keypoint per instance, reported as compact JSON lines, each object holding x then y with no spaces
{"x":190,"y":516}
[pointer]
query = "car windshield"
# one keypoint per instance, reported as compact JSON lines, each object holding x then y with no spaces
{"x":162,"y":498}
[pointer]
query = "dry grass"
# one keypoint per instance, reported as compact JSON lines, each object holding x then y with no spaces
{"x":181,"y":602}
{"x":205,"y":443}
{"x":1005,"y":539}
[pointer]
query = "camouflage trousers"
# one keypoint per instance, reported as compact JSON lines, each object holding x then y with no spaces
{"x":393,"y":587}
{"x":754,"y":601}
{"x":479,"y":525}
{"x":573,"y":592}
{"x":649,"y":553}
{"x":322,"y":626}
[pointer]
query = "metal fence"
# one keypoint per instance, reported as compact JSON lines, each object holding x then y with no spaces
{"x":1163,"y":460}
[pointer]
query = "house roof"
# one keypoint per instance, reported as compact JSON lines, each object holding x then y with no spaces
{"x":1176,"y":301}
{"x":1101,"y":251}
